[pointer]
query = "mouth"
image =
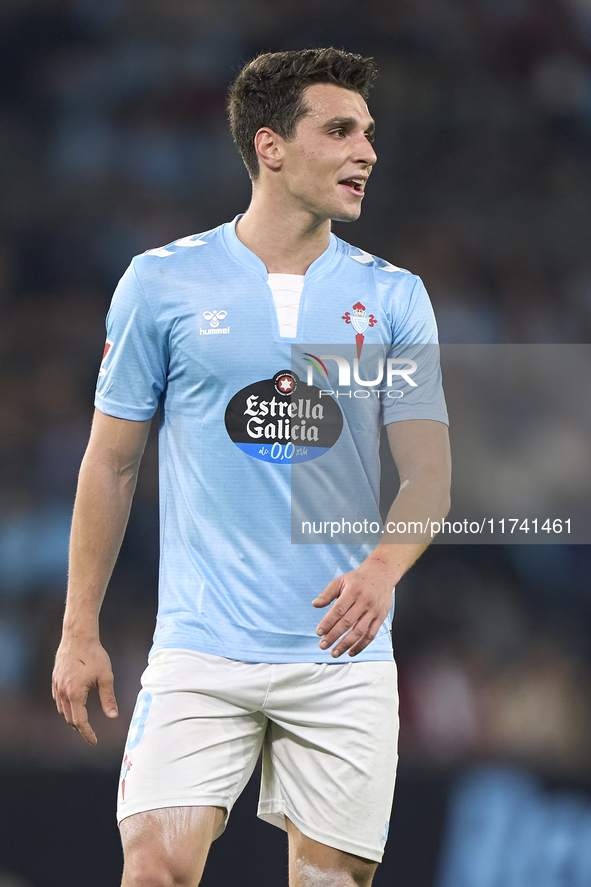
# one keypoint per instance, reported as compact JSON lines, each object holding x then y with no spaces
{"x":355,"y":185}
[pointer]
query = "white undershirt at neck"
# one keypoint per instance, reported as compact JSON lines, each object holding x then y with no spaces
{"x":287,"y":292}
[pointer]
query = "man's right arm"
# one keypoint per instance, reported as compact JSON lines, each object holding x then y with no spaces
{"x":106,"y":485}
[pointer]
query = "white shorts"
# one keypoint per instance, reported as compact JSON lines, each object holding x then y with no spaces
{"x":328,"y":732}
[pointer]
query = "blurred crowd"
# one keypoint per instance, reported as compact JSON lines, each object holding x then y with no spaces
{"x":494,"y":658}
{"x":113,"y":140}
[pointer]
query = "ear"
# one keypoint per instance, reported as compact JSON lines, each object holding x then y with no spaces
{"x":269,"y":148}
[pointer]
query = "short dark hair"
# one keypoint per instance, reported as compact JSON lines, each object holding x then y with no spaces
{"x":268,"y":91}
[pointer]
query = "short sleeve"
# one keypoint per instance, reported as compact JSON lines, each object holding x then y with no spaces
{"x":413,"y":387}
{"x":134,"y":367}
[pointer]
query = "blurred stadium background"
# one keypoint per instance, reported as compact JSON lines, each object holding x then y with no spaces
{"x":113,"y":140}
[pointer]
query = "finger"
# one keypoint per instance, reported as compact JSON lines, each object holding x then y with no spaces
{"x":55,"y":695}
{"x":80,"y":722}
{"x":328,"y":625}
{"x":344,"y":613}
{"x":367,"y":638}
{"x":66,"y":711}
{"x":354,"y":637}
{"x":62,"y":703}
{"x":341,"y":626}
{"x":107,"y":697}
{"x":330,"y":593}
{"x":58,"y":703}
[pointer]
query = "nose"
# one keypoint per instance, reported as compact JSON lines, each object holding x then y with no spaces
{"x":364,"y":151}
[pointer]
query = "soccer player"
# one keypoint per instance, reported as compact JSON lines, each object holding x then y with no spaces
{"x":221,"y":332}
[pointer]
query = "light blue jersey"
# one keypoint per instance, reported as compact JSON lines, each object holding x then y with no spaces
{"x":260,"y":433}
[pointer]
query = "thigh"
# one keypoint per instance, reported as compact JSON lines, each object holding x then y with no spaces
{"x":168,"y":846}
{"x":191,"y":742}
{"x":312,"y":864}
{"x":330,"y":754}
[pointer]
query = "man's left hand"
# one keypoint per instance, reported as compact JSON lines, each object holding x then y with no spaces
{"x":362,"y":600}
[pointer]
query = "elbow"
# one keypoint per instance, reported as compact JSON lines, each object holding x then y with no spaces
{"x":442,"y":494}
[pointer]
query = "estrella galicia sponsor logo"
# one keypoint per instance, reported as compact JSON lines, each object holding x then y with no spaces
{"x":285,"y":382}
{"x":214,"y":318}
{"x":279,"y":420}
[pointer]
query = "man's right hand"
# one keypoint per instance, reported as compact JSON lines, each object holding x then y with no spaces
{"x":78,"y":667}
{"x":106,"y":483}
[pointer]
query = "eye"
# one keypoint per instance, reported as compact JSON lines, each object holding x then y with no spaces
{"x":370,"y":136}
{"x":338,"y":132}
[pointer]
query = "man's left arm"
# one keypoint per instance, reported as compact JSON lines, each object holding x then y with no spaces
{"x":363,"y":597}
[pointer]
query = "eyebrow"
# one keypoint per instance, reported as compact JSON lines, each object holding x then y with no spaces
{"x":349,"y":121}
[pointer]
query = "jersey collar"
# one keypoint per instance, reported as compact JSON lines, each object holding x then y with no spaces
{"x":246,"y":257}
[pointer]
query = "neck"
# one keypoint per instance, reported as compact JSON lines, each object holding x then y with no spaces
{"x":286,"y":239}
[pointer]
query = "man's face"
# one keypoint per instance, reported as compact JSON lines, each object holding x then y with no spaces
{"x":327,"y":163}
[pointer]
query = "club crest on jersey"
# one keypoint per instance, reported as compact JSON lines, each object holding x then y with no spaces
{"x":360,"y":322}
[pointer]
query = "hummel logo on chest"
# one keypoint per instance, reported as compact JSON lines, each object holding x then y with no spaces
{"x":214,"y":318}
